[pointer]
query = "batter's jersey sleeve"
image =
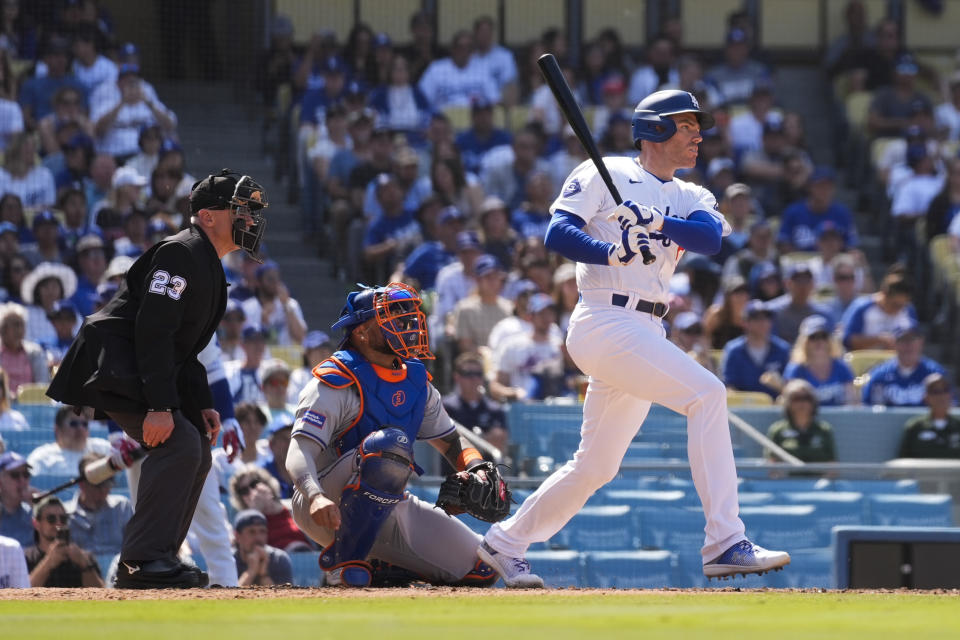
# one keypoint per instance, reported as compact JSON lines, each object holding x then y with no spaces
{"x":707,"y":202}
{"x":584,"y":194}
{"x":436,"y":422}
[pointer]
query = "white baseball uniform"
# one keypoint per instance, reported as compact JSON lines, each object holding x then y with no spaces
{"x":631,"y":364}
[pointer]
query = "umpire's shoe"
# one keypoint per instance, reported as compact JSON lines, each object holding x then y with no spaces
{"x":745,"y":557}
{"x":202,"y":576}
{"x":514,"y":571}
{"x":156,"y":574}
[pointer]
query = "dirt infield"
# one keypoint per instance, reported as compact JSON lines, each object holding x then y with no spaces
{"x":269,"y":593}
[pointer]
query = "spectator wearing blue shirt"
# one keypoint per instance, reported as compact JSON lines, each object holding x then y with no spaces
{"x":406,"y":167}
{"x":796,"y":305}
{"x":530,"y":219}
{"x":800,"y":220}
{"x":816,"y":359}
{"x":401,"y":104}
{"x":757,"y":352}
{"x":313,"y":106}
{"x":899,"y":382}
{"x":481,"y":137}
{"x":36,"y":94}
{"x":870,"y":321}
{"x":390,"y":237}
{"x":91,"y":265}
{"x":425,"y":261}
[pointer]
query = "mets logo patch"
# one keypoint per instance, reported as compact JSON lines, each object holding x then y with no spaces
{"x":314,"y":418}
{"x":572,"y":188}
{"x":399,"y":397}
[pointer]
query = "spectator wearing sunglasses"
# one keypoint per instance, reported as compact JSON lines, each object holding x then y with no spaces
{"x":98,"y":516}
{"x":816,"y":358}
{"x":71,"y":440}
{"x":800,"y":432}
{"x":936,"y":434}
{"x":16,"y":520}
{"x":56,"y":561}
{"x":253,"y":487}
{"x":470,"y":405}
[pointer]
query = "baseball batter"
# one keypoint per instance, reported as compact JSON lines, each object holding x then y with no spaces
{"x":616,"y":337}
{"x":351,"y":453}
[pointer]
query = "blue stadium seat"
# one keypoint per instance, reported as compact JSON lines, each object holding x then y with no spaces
{"x":688,"y":572}
{"x":563,"y":444}
{"x":755,"y":498}
{"x":628,"y":569}
{"x":641,"y":498}
{"x":477,"y":526}
{"x":833,"y":508}
{"x":558,"y":569}
{"x":645,"y":450}
{"x":306,"y":568}
{"x":809,"y":569}
{"x":631,"y":480}
{"x":599,"y":528}
{"x":39,"y":416}
{"x":426,"y":493}
{"x":674,"y":528}
{"x":783,"y":526}
{"x":104,"y":561}
{"x":907,"y":485}
{"x":904,"y":510}
{"x":667,"y":483}
{"x":783,"y":485}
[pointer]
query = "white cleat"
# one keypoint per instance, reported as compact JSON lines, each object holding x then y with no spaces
{"x":514,"y":571}
{"x":744,"y":558}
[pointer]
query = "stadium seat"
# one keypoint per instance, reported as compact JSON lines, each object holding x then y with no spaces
{"x":598,"y":528}
{"x":292,"y":354}
{"x":477,"y":526}
{"x":628,"y":569}
{"x":558,"y":569}
{"x":784,"y":485}
{"x":922,"y":510}
{"x":563,"y":444}
{"x":783,"y":526}
{"x":755,"y":498}
{"x":786,"y":24}
{"x":737,"y":398}
{"x":646,"y":498}
{"x":833,"y":508}
{"x":34,"y":393}
{"x":862,"y":360}
{"x":809,"y":569}
{"x":39,"y":416}
{"x":907,"y":485}
{"x":426,"y":493}
{"x":858,"y":107}
{"x":306,"y":568}
{"x":674,"y":528}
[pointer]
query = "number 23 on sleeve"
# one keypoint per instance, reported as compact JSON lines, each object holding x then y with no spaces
{"x":162,"y":283}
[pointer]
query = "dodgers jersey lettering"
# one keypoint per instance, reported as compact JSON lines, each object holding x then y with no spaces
{"x":585,"y":195}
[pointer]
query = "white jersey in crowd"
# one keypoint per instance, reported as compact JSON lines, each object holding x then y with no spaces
{"x":13,"y":565}
{"x":585,"y":195}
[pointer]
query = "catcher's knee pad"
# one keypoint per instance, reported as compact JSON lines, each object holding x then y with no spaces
{"x":385,"y":463}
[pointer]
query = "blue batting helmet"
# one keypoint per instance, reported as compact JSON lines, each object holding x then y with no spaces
{"x":650,"y":121}
{"x":397,"y":310}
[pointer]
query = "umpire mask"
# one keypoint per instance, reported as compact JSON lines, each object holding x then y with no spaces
{"x":244,"y":198}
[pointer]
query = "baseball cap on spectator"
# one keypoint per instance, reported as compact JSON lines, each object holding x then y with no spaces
{"x":282,"y":421}
{"x":756,"y":308}
{"x":383,"y":179}
{"x":814,"y":324}
{"x":905,"y":65}
{"x":479,"y":103}
{"x":57,"y":44}
{"x":829,"y":227}
{"x":405,"y":157}
{"x":266,"y":267}
{"x":234,"y":306}
{"x":734,"y":283}
{"x":354,"y":89}
{"x":89,"y":242}
{"x":686,"y":321}
{"x":127,"y":176}
{"x":333,"y":66}
{"x":118,"y":266}
{"x":366,"y":115}
{"x":914,"y":132}
{"x":823,"y":173}
{"x":717,"y":165}
{"x":79,"y":141}
{"x":381,"y":40}
{"x":525,"y":287}
{"x":916,"y":152}
{"x":62,"y":308}
{"x":450,"y":214}
{"x":737,"y":189}
{"x":106,"y":291}
{"x":129,"y":51}
{"x":248,"y":518}
{"x":486,"y":264}
{"x":798,"y":269}
{"x":315,"y":340}
{"x":8,"y":227}
{"x":762,"y":270}
{"x":12,"y":460}
{"x":614,"y":84}
{"x":773,"y":125}
{"x":131,"y":68}
{"x":566,"y":271}
{"x":491,"y":203}
{"x":736,"y":36}
{"x":254,"y":333}
{"x":905,"y":331}
{"x":539,"y":301}
{"x":273,"y":367}
{"x":44,"y":216}
{"x":468,"y":241}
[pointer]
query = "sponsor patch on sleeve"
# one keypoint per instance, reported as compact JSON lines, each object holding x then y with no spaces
{"x":572,"y":188}
{"x":315,"y":419}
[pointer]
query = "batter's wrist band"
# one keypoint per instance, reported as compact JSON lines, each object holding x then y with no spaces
{"x":466,"y":457}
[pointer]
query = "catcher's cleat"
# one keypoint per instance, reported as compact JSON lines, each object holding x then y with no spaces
{"x":745,"y":558}
{"x":514,"y":571}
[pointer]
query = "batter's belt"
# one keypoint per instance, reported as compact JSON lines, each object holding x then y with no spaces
{"x":657,"y":309}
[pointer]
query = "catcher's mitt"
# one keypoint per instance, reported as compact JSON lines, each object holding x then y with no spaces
{"x":480,"y":491}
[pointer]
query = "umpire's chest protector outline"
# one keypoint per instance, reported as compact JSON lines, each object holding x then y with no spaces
{"x":387,"y":397}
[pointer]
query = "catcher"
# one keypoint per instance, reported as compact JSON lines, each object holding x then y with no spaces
{"x":351,"y":455}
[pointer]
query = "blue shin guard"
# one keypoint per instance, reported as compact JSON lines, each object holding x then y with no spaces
{"x":386,"y":461}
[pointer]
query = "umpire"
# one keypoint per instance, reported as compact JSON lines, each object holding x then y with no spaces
{"x":135,"y":361}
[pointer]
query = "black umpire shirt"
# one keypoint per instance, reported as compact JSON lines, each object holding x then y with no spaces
{"x":140,"y":351}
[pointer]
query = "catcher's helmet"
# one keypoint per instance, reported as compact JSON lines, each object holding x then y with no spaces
{"x":243,"y":196}
{"x":397,"y":310}
{"x":650,"y":121}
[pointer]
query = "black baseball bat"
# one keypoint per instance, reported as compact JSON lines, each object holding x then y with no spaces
{"x":66,"y":485}
{"x":571,"y":111}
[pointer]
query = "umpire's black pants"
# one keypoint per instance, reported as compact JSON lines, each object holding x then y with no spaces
{"x":171,"y":478}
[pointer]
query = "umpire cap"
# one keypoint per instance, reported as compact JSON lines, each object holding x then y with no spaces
{"x":213,"y":192}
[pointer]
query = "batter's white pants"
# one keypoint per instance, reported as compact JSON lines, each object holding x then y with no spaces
{"x":631,"y":364}
{"x":209,"y":530}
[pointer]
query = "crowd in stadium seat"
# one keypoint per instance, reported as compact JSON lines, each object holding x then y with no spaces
{"x":435,"y":163}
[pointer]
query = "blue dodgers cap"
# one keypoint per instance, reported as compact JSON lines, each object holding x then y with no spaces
{"x":12,"y":460}
{"x":266,"y":267}
{"x":525,"y":287}
{"x":904,"y":331}
{"x":686,"y":320}
{"x":129,"y":50}
{"x":486,"y":264}
{"x":129,"y":67}
{"x":763,"y":270}
{"x":468,"y":240}
{"x":106,"y":291}
{"x":755,"y":308}
{"x":823,"y":173}
{"x":773,"y":125}
{"x":315,"y":339}
{"x":255,"y":333}
{"x":814,"y":324}
{"x":540,"y":301}
{"x":233,"y":306}
{"x":480,"y":103}
{"x":45,"y":217}
{"x":915,"y":152}
{"x":62,"y":308}
{"x":8,"y":227}
{"x":906,"y":65}
{"x":281,"y":421}
{"x":736,"y":36}
{"x":381,"y":40}
{"x":79,"y":141}
{"x":450,"y":214}
{"x":333,"y":65}
{"x":247,"y":518}
{"x":799,"y":268}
